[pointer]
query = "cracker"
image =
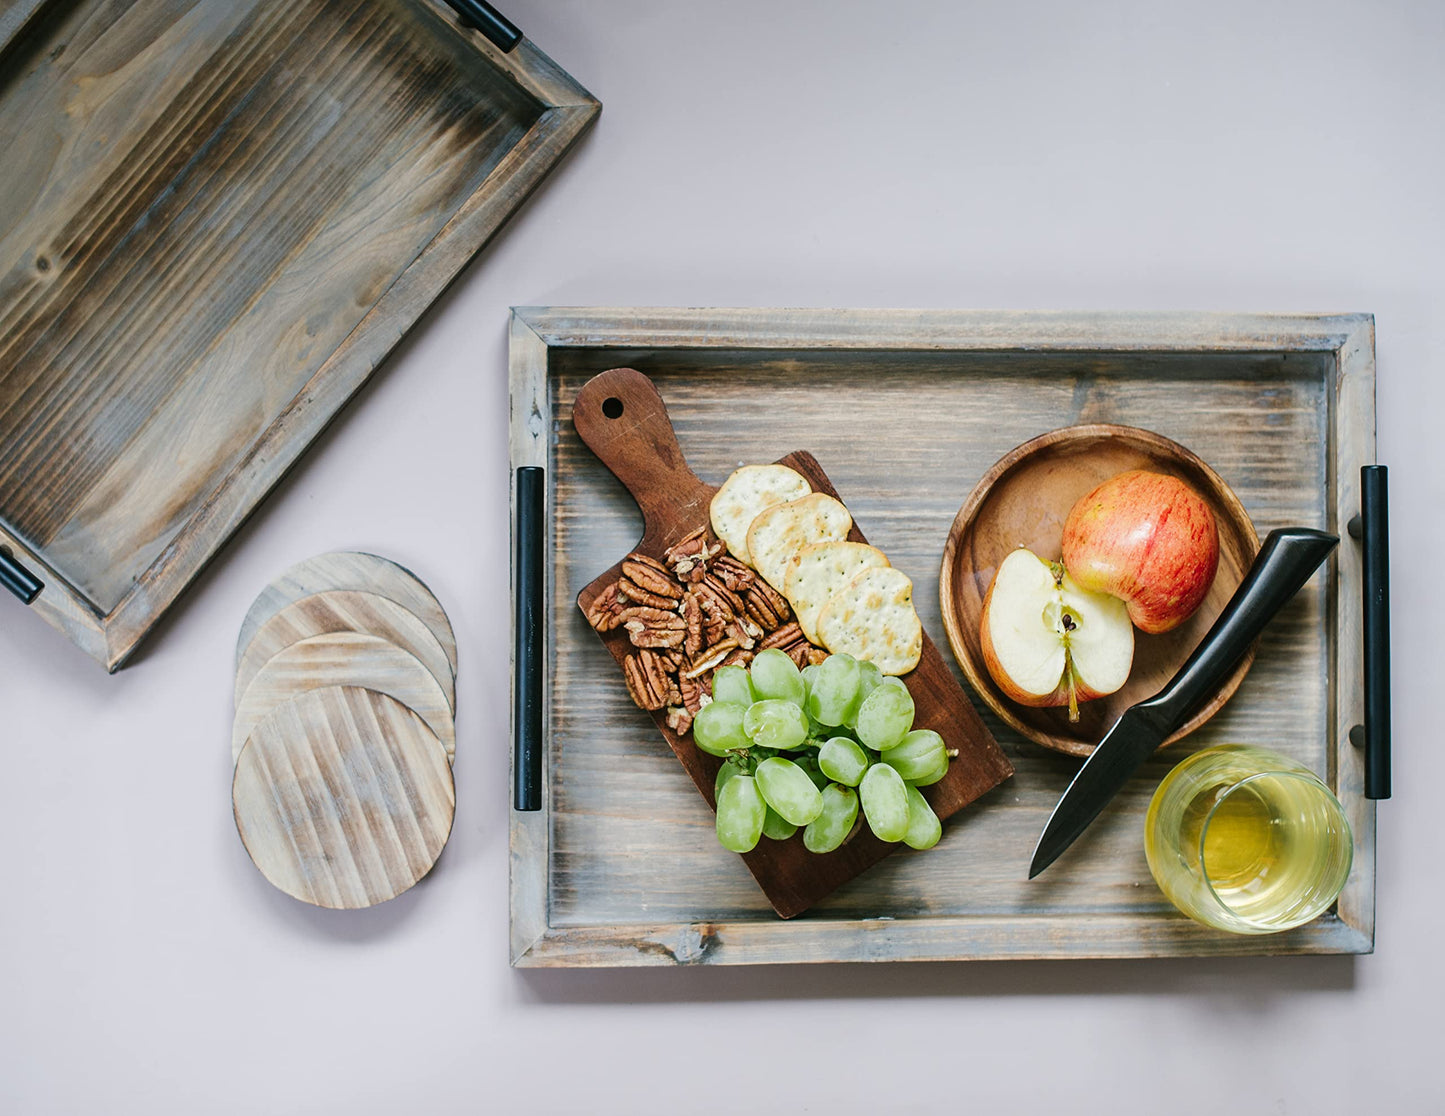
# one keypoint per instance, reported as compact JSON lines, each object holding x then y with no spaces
{"x":873,"y":618}
{"x":821,"y":570}
{"x":750,"y":490}
{"x":777,"y":534}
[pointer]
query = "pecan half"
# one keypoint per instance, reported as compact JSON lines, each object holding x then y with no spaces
{"x":733,"y":573}
{"x":785,"y":636}
{"x":606,"y":611}
{"x":653,"y":627}
{"x":647,"y":680}
{"x":775,"y":601}
{"x":692,"y":618}
{"x":711,"y":658}
{"x":651,"y":576}
{"x":693,"y":691}
{"x":760,"y":610}
{"x":718,"y":589}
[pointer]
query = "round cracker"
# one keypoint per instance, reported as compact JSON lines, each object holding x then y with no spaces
{"x":873,"y":618}
{"x":750,"y":490}
{"x":776,"y":535}
{"x":822,"y":569}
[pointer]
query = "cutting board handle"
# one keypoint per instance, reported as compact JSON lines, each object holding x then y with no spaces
{"x":623,"y":420}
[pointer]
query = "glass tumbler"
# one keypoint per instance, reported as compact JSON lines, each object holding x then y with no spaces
{"x":1247,"y":840}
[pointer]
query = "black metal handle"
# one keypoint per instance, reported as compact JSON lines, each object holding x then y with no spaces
{"x":1284,"y":563}
{"x":490,"y":22}
{"x":1372,"y":528}
{"x":531,"y":620}
{"x":17,"y":578}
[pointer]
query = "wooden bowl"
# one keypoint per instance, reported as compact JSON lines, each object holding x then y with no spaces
{"x":1023,"y":501}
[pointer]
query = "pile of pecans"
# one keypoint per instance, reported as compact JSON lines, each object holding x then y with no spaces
{"x":696,"y":610}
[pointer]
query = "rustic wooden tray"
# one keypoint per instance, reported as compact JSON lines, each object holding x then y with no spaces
{"x":218,"y":220}
{"x":906,"y":410}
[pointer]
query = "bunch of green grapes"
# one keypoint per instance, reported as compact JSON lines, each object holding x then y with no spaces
{"x":812,"y":748}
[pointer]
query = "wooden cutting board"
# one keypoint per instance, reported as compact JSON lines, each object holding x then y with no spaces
{"x":623,"y":420}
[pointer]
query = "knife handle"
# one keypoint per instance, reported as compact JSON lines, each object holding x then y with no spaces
{"x":1284,"y":563}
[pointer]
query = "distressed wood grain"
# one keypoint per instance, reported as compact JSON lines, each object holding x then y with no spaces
{"x":219,"y":219}
{"x":344,"y":659}
{"x":906,"y":410}
{"x":343,"y":797}
{"x":344,"y":610}
{"x":357,"y":571}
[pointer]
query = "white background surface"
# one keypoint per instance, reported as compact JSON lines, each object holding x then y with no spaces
{"x":1235,"y":156}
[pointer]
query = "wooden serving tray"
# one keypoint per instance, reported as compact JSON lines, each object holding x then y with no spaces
{"x":905,"y":410}
{"x":640,"y":448}
{"x":218,"y":219}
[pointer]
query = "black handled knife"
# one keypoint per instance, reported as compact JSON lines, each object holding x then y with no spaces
{"x":1284,"y":563}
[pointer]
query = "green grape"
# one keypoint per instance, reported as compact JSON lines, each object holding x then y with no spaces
{"x":740,"y":814}
{"x":831,"y":827}
{"x":776,"y":826}
{"x":809,"y":764}
{"x":724,"y":773}
{"x":842,"y":760}
{"x":920,"y":755}
{"x":833,"y":696}
{"x":885,"y":802}
{"x":931,"y":777}
{"x":774,"y":724}
{"x":924,"y":828}
{"x":808,"y":673}
{"x":885,"y":716}
{"x":730,"y":683}
{"x":776,"y":676}
{"x":787,"y":789}
{"x":869,"y":677}
{"x":718,"y":728}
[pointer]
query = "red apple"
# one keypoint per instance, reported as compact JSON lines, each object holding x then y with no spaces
{"x":1048,"y":642}
{"x":1148,"y":539}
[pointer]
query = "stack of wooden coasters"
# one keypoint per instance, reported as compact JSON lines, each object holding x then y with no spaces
{"x":344,"y":733}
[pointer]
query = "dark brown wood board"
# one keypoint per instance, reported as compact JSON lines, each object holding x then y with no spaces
{"x":218,"y":219}
{"x":623,"y":419}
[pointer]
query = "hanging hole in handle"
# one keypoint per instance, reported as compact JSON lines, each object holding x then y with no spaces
{"x":612,"y":407}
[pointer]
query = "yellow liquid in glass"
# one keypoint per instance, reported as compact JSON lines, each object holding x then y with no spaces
{"x":1263,"y":846}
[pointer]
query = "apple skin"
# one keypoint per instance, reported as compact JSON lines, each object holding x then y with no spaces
{"x":1060,"y":696}
{"x":1148,"y":539}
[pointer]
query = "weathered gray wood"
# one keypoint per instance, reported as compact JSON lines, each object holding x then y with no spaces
{"x":218,"y":220}
{"x":365,"y":573}
{"x":344,"y":659}
{"x":344,"y":610}
{"x":15,"y":16}
{"x":906,"y":410}
{"x":343,"y":797}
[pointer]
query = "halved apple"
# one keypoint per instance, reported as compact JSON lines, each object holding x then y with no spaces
{"x":1047,"y":641}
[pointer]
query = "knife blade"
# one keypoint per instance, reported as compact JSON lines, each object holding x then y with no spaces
{"x":1289,"y":556}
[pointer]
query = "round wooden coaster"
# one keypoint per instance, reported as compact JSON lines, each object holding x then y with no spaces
{"x":345,"y":610}
{"x":343,"y":797}
{"x":345,"y":659}
{"x":365,"y":573}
